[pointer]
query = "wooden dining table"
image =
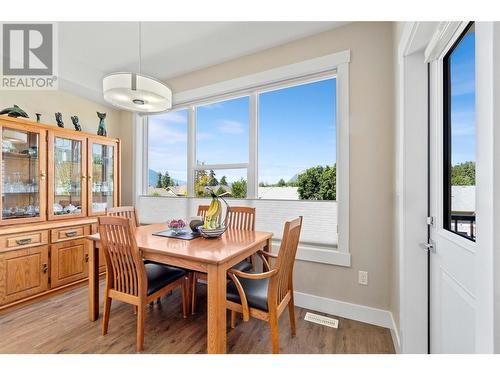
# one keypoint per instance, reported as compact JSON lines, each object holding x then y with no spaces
{"x":212,"y":256}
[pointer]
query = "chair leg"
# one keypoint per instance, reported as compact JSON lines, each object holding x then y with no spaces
{"x":185,"y":296}
{"x":194,"y":281}
{"x":140,"y":328}
{"x":105,"y":318}
{"x":291,"y":312}
{"x":158,"y":300}
{"x":233,"y":318}
{"x":273,"y":324}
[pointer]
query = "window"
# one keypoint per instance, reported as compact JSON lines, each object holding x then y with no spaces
{"x":222,"y":132}
{"x":460,"y":136}
{"x":296,"y":146}
{"x":167,"y":154}
{"x":253,"y":137}
{"x":297,"y":142}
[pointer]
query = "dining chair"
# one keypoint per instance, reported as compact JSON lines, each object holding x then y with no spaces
{"x":266,"y":295}
{"x":238,"y":218}
{"x":129,"y":279}
{"x":125,"y":211}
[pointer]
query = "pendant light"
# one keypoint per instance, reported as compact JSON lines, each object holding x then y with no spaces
{"x":135,"y":91}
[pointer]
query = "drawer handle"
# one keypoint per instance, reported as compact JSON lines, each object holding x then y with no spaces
{"x":71,"y":234}
{"x":45,"y":268}
{"x":24,"y":241}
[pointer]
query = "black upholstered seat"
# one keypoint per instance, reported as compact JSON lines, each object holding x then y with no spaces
{"x":243,"y":266}
{"x":160,"y":275}
{"x":255,"y":291}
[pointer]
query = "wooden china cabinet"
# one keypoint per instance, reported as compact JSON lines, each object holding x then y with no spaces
{"x":54,"y":183}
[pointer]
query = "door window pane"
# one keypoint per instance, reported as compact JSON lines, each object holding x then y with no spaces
{"x":20,"y":166}
{"x":460,"y":136}
{"x":297,"y":142}
{"x":67,"y":176}
{"x":102,"y":177}
{"x":222,"y":132}
{"x":167,"y":154}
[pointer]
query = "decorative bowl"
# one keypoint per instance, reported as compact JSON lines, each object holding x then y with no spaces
{"x":176,"y":226}
{"x":211,"y":233}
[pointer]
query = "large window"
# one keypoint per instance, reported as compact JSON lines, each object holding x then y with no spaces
{"x":222,"y":137}
{"x":276,"y":142}
{"x":460,"y":136}
{"x":167,"y":154}
{"x":297,"y":142}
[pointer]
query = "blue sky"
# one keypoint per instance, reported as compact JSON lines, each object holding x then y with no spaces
{"x":297,"y":130}
{"x":463,"y":105}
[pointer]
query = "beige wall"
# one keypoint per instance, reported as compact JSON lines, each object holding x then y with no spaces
{"x":49,"y":102}
{"x":371,"y":84}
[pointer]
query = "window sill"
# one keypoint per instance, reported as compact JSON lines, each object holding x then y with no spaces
{"x":320,"y":254}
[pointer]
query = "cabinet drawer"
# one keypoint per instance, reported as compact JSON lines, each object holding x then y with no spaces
{"x":23,"y":273}
{"x":69,"y":233}
{"x":69,"y":262}
{"x":23,"y":240}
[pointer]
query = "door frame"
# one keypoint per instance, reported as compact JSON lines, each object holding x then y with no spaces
{"x":420,"y":43}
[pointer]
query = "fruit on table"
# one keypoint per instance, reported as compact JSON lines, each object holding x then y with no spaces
{"x":213,"y":214}
{"x":177,"y":224}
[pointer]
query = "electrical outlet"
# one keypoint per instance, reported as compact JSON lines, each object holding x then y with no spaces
{"x":363,"y":277}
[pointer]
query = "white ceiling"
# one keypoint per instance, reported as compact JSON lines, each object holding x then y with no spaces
{"x":90,"y":50}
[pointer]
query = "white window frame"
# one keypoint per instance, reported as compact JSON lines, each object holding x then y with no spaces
{"x":329,"y":66}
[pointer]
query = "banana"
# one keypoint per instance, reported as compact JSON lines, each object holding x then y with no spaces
{"x":212,"y":216}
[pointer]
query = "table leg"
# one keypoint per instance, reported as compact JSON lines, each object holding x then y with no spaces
{"x":216,"y":306}
{"x":93,"y":281}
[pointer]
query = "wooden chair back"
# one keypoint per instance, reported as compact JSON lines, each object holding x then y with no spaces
{"x":281,"y":283}
{"x":125,"y":211}
{"x":241,"y":218}
{"x":124,"y":262}
{"x":202,"y":210}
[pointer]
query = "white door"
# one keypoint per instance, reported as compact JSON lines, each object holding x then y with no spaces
{"x":452,"y":196}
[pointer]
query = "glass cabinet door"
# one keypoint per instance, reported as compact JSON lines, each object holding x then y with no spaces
{"x":23,"y":174}
{"x":102,"y":176}
{"x":67,"y":176}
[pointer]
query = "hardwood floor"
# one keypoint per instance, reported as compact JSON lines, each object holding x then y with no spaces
{"x":60,"y":325}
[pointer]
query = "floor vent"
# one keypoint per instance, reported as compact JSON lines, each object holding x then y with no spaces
{"x":323,"y":320}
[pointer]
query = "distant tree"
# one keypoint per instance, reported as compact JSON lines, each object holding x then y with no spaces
{"x":212,"y":181}
{"x":318,"y":183}
{"x":464,"y":174}
{"x":159,"y":183}
{"x":263,"y":184}
{"x":223,"y":181}
{"x":166,"y":180}
{"x":281,"y":183}
{"x":200,"y":181}
{"x":239,"y":188}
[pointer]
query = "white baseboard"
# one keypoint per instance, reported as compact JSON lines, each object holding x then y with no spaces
{"x":365,"y":314}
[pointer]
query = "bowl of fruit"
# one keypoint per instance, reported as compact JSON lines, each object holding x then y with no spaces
{"x":176,"y":226}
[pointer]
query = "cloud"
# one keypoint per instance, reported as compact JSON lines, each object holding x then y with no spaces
{"x":161,"y":134}
{"x":230,"y":127}
{"x":179,"y":117}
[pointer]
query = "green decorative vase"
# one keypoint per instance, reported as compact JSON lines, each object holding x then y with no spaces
{"x":101,"y":130}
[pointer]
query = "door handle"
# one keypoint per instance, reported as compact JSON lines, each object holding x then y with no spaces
{"x":45,"y":268}
{"x":428,"y":246}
